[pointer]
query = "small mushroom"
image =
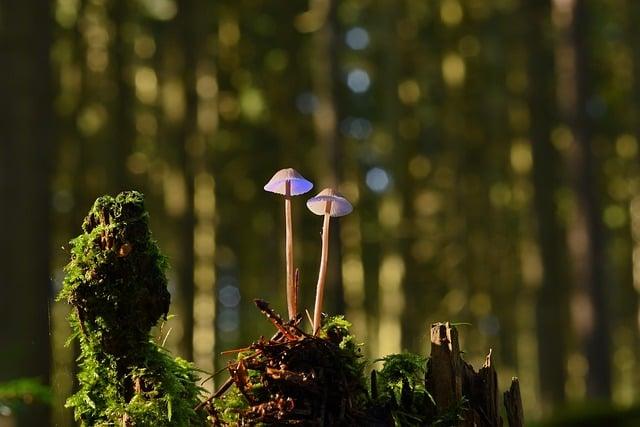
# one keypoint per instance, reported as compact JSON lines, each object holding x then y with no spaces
{"x":328,"y":203}
{"x":289,"y":182}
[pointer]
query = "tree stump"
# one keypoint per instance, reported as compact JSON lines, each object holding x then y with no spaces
{"x":444,"y":373}
{"x":452,"y":382}
{"x":513,"y":404}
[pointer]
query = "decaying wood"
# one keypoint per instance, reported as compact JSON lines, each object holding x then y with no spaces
{"x":513,"y":404}
{"x":305,"y":384}
{"x":481,"y":390}
{"x":444,"y":376}
{"x":451,"y":380}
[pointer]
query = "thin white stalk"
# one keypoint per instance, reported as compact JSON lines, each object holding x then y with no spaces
{"x":322,"y":275}
{"x":291,"y":304}
{"x":296,"y":291}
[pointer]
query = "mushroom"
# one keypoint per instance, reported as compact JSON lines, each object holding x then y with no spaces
{"x":328,"y":203}
{"x":289,"y":182}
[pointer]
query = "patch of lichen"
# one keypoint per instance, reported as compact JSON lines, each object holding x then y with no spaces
{"x":117,"y":286}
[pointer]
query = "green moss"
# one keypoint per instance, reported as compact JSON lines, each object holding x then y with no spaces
{"x":400,"y":389}
{"x":230,"y":407}
{"x":338,"y":330}
{"x":117,"y":285}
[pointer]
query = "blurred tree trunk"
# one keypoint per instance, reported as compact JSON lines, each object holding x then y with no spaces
{"x":186,"y":140}
{"x":176,"y":65}
{"x":394,"y":287}
{"x":70,"y":166}
{"x":634,"y":35}
{"x":26,"y":148}
{"x":123,"y":114}
{"x":586,"y":234}
{"x":325,"y":80}
{"x":551,"y":306}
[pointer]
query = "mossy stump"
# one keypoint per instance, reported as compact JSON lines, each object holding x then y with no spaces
{"x":117,"y":287}
{"x":451,"y":380}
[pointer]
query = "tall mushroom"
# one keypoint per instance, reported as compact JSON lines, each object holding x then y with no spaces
{"x":328,"y":203}
{"x":289,"y":182}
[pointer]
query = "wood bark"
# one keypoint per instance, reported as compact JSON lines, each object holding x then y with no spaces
{"x":513,"y":404}
{"x":444,"y":374}
{"x":586,"y":234}
{"x":552,"y":295}
{"x":452,"y":381}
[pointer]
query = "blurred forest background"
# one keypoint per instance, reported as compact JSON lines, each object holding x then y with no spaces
{"x":490,"y":149}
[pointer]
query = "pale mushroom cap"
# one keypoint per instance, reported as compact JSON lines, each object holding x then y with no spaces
{"x":278,"y":183}
{"x":339,"y":205}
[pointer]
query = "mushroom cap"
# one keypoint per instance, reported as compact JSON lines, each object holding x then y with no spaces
{"x":278,"y":183}
{"x":339,"y":205}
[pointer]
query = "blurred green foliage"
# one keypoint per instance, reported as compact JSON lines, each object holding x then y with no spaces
{"x":18,"y":394}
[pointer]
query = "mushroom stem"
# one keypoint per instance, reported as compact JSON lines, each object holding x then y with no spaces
{"x":296,"y":289}
{"x":322,"y":275}
{"x":291,"y":304}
